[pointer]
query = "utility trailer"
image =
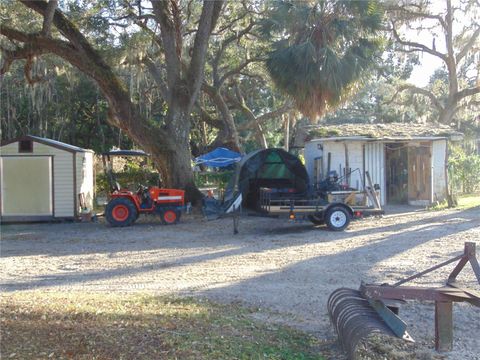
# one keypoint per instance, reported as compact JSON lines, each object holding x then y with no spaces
{"x":335,"y":213}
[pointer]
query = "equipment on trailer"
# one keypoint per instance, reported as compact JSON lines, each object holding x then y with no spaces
{"x":125,"y":206}
{"x":333,"y":206}
{"x":374,"y":308}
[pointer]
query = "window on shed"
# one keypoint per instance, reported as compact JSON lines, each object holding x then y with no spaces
{"x":25,"y":146}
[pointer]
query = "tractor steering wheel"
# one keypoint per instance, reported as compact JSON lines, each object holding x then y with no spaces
{"x":141,"y":189}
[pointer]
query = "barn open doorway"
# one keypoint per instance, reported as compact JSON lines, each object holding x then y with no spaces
{"x":396,"y":158}
{"x":420,"y":173}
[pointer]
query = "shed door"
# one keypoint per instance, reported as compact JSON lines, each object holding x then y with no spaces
{"x":26,"y":183}
{"x":419,"y":172}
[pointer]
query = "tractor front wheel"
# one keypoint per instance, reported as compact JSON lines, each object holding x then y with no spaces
{"x":170,"y":216}
{"x":121,"y":212}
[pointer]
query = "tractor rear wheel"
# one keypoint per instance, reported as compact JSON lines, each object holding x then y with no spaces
{"x":121,"y":212}
{"x":337,"y":218}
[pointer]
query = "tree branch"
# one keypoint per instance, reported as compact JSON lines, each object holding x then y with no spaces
{"x":157,"y":77}
{"x":237,"y":70}
{"x":467,"y":92}
{"x":417,"y":14}
{"x":468,"y":45}
{"x":48,"y":17}
{"x":220,"y":52}
{"x":267,"y":116}
{"x":417,"y":46}
{"x":162,"y":14}
{"x":416,"y":90}
{"x":208,"y":19}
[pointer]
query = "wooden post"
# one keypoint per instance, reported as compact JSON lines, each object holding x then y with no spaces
{"x":443,"y":326}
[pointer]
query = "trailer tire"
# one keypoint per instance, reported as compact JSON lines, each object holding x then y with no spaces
{"x":337,"y":218}
{"x":121,"y":212}
{"x":316,"y":220}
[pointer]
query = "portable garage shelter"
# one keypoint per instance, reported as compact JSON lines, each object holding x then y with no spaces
{"x":273,"y":168}
{"x":44,"y":179}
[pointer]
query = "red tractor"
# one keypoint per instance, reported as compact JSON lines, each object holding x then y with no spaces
{"x":125,"y":206}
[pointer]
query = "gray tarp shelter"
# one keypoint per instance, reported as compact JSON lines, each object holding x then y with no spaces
{"x":272,"y":168}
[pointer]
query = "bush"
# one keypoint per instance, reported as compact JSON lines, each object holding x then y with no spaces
{"x":464,"y":171}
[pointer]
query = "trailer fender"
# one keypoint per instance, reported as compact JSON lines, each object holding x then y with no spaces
{"x":343,"y":205}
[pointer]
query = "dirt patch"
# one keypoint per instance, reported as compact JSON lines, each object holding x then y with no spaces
{"x":285,"y":271}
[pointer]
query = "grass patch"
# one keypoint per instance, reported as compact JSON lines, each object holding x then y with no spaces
{"x":463,"y":202}
{"x":44,"y":325}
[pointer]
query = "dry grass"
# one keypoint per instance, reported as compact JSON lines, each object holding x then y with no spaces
{"x":44,"y":325}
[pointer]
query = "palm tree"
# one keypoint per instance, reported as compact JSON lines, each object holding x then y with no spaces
{"x":322,"y":49}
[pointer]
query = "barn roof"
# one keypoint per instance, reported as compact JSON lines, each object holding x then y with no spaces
{"x":50,"y":142}
{"x":375,"y":131}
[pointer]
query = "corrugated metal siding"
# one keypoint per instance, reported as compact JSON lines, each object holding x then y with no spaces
{"x":355,"y":161}
{"x":438,"y":170}
{"x":62,"y":174}
{"x":375,"y":165}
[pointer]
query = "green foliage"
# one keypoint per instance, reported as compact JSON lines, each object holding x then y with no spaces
{"x":130,"y":179}
{"x":464,"y":170}
{"x":329,"y":47}
{"x":213,"y":179}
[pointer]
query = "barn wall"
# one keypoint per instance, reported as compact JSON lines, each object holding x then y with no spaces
{"x":438,"y":169}
{"x":85,"y":180}
{"x":62,"y":174}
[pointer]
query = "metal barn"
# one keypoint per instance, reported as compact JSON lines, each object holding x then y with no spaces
{"x":43,"y":179}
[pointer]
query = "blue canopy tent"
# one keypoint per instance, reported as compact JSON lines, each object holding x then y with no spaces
{"x":220,"y":157}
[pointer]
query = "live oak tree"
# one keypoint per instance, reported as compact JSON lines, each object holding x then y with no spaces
{"x":168,"y":143}
{"x":236,"y":83}
{"x":453,"y":32}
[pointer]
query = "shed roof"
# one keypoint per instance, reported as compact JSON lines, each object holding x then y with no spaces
{"x":46,"y":141}
{"x":395,"y":131}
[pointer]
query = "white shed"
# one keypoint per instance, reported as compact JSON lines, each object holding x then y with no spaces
{"x":44,"y":179}
{"x":408,"y":167}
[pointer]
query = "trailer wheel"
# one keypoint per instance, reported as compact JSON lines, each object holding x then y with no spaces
{"x":121,"y":212}
{"x":316,"y":220}
{"x":337,"y":218}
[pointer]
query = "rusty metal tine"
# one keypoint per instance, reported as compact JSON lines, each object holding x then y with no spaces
{"x":428,"y":270}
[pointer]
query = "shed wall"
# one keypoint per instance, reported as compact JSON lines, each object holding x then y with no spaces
{"x":62,"y":174}
{"x":375,"y":165}
{"x":438,"y":170}
{"x":85,"y":179}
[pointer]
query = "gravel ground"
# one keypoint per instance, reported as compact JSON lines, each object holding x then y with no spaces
{"x":285,"y":271}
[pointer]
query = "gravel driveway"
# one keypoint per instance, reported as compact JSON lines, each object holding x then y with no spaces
{"x":283,"y":270}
